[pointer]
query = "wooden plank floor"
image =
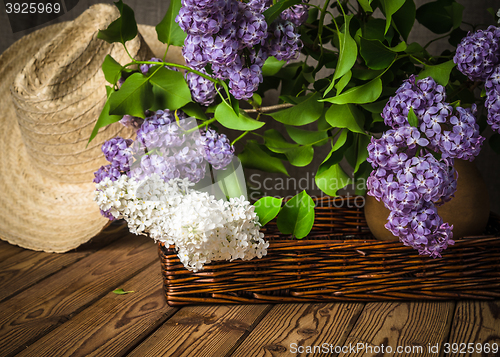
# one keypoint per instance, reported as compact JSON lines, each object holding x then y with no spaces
{"x":64,"y":305}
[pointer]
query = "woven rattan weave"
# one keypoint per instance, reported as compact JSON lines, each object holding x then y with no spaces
{"x":340,"y":261}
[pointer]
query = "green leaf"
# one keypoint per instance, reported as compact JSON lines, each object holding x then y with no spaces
{"x":435,"y":16}
{"x":194,"y":110}
{"x":340,"y":141}
{"x":390,"y":7}
{"x":300,"y":156}
{"x":307,"y":137}
{"x":346,"y":116}
{"x":272,"y":66}
{"x":404,"y":18}
{"x":343,"y":82}
{"x":412,"y":118}
{"x":123,"y":29}
{"x":375,"y":54}
{"x":348,"y":51}
{"x":307,"y":111}
{"x":336,"y":154}
{"x":267,"y":208}
{"x":104,"y":118}
{"x":133,"y":98}
{"x":226,"y":116}
{"x":455,"y":11}
{"x":297,"y":216}
{"x":253,"y":157}
{"x":170,"y":89}
{"x":414,"y":47}
{"x":363,"y":141}
{"x":111,"y":69}
{"x":332,"y":179}
{"x":256,"y":100}
{"x":365,"y":4}
{"x":168,"y":30}
{"x":275,"y":142}
{"x":274,"y":11}
{"x":373,"y":29}
{"x":440,"y":72}
{"x":375,"y":107}
{"x":365,"y":93}
{"x":122,"y":292}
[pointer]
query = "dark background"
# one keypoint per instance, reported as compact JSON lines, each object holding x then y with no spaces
{"x":151,"y":12}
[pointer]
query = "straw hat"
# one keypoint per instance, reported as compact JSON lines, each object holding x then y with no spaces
{"x":51,"y":93}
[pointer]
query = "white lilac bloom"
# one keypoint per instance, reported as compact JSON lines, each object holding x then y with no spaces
{"x":202,"y":228}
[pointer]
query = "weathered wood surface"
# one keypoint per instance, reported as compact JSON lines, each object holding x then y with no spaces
{"x":37,"y":310}
{"x":64,"y":305}
{"x":476,"y":323}
{"x":21,"y":268}
{"x":113,"y":325}
{"x":287,"y":327}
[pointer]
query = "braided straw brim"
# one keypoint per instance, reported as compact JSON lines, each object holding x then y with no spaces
{"x":46,"y":171}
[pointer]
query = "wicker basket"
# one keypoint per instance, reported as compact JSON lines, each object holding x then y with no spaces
{"x":340,"y":261}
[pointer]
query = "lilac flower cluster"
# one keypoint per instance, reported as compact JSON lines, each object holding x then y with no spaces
{"x":202,"y":90}
{"x":131,"y":122}
{"x":492,"y":86}
{"x":164,"y":147}
{"x":477,"y":54}
{"x":224,"y":32}
{"x":407,"y":177}
{"x":455,"y":134}
{"x":296,"y":14}
{"x":478,"y":57}
{"x":218,"y":150}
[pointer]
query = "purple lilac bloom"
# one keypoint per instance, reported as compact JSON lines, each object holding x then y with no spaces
{"x":131,"y":122}
{"x":477,"y":54}
{"x":244,"y":79}
{"x":218,"y":149}
{"x":259,"y":5}
{"x":407,"y":177}
{"x":424,"y":96}
{"x":422,"y":229}
{"x":118,"y":153}
{"x":296,"y":14}
{"x":224,"y":32}
{"x":284,"y":41}
{"x":156,"y":132}
{"x":492,"y":87}
{"x":108,"y":171}
{"x":202,"y":90}
{"x":108,"y":215}
{"x":462,"y":140}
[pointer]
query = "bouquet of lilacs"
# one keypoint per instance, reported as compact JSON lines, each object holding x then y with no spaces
{"x":336,"y":67}
{"x":149,"y":183}
{"x":413,"y":162}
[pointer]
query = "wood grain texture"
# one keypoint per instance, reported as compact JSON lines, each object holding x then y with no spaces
{"x":26,"y":267}
{"x":412,"y":325}
{"x":37,"y":310}
{"x":202,"y":331}
{"x":476,"y":322}
{"x":300,"y":324}
{"x":113,"y":325}
{"x":7,"y":250}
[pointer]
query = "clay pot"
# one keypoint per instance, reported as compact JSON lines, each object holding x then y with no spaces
{"x":468,"y":211}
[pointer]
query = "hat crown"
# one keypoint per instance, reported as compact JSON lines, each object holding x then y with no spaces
{"x":60,"y":93}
